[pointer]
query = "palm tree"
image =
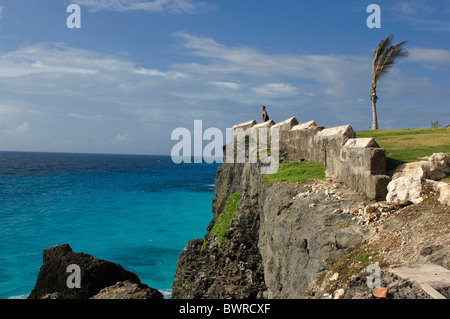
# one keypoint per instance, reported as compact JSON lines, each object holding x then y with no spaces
{"x":384,"y":58}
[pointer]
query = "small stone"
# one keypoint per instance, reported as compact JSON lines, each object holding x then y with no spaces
{"x":334,"y":277}
{"x":369,"y":210}
{"x":339,"y":294}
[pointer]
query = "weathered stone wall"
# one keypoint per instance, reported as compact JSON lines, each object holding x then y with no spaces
{"x":359,"y":163}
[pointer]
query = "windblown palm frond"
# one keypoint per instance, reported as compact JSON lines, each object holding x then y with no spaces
{"x":384,"y":58}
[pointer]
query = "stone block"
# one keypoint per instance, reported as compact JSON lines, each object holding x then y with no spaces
{"x":244,"y":125}
{"x":266,"y":124}
{"x":284,"y":128}
{"x":303,"y":126}
{"x":361,"y":143}
{"x":341,"y":134}
{"x":286,"y":124}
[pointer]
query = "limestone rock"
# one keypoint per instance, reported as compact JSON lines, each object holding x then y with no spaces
{"x":286,"y":125}
{"x":361,"y":143}
{"x":436,"y":167}
{"x":303,"y":126}
{"x":339,"y":294}
{"x":405,"y":190}
{"x":266,"y":125}
{"x":444,"y":196}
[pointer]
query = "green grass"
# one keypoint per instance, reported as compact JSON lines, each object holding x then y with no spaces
{"x":223,"y":220}
{"x":296,"y":172}
{"x":410,"y":144}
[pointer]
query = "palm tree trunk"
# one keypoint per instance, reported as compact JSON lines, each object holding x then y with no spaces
{"x":374,"y":98}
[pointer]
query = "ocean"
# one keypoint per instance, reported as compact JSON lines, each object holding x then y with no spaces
{"x":137,"y":211}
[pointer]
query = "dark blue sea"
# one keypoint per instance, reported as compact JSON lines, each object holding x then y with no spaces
{"x":138,"y":211}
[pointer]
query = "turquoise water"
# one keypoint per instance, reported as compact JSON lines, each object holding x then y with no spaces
{"x":138,"y":211}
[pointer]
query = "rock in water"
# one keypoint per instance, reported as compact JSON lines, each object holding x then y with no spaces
{"x":96,"y":274}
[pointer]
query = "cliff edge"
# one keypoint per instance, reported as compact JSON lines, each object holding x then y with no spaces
{"x":314,"y":239}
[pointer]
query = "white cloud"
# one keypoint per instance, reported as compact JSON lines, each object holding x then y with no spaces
{"x":56,"y":58}
{"x":276,"y":89}
{"x":424,"y":15}
{"x":75,"y":115}
{"x":225,"y":84}
{"x":433,"y":57}
{"x":170,"y":6}
{"x":22,"y":128}
{"x":329,"y":73}
{"x":122,"y":138}
{"x":172,"y":75}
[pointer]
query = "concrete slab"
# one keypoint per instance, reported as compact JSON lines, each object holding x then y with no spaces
{"x":434,"y":275}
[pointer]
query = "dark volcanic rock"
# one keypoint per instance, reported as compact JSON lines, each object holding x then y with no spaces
{"x":96,"y":274}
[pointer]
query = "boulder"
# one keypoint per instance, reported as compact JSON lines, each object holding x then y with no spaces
{"x":444,"y":196}
{"x":436,"y":167}
{"x":408,"y":189}
{"x":405,"y":190}
{"x":96,"y":274}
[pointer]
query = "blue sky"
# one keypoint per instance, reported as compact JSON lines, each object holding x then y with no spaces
{"x":138,"y":69}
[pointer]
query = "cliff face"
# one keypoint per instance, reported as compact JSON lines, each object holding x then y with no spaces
{"x":300,"y":237}
{"x":280,"y":237}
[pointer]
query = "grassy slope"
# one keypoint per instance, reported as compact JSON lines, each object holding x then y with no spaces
{"x":223,"y":220}
{"x":408,"y":145}
{"x":296,"y":172}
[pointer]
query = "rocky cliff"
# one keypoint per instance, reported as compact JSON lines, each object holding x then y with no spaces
{"x":276,"y":243}
{"x":307,"y":240}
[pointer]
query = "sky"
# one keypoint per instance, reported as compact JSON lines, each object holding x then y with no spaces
{"x":137,"y":70}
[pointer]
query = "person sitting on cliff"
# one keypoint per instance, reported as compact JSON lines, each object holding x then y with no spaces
{"x":265,"y":116}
